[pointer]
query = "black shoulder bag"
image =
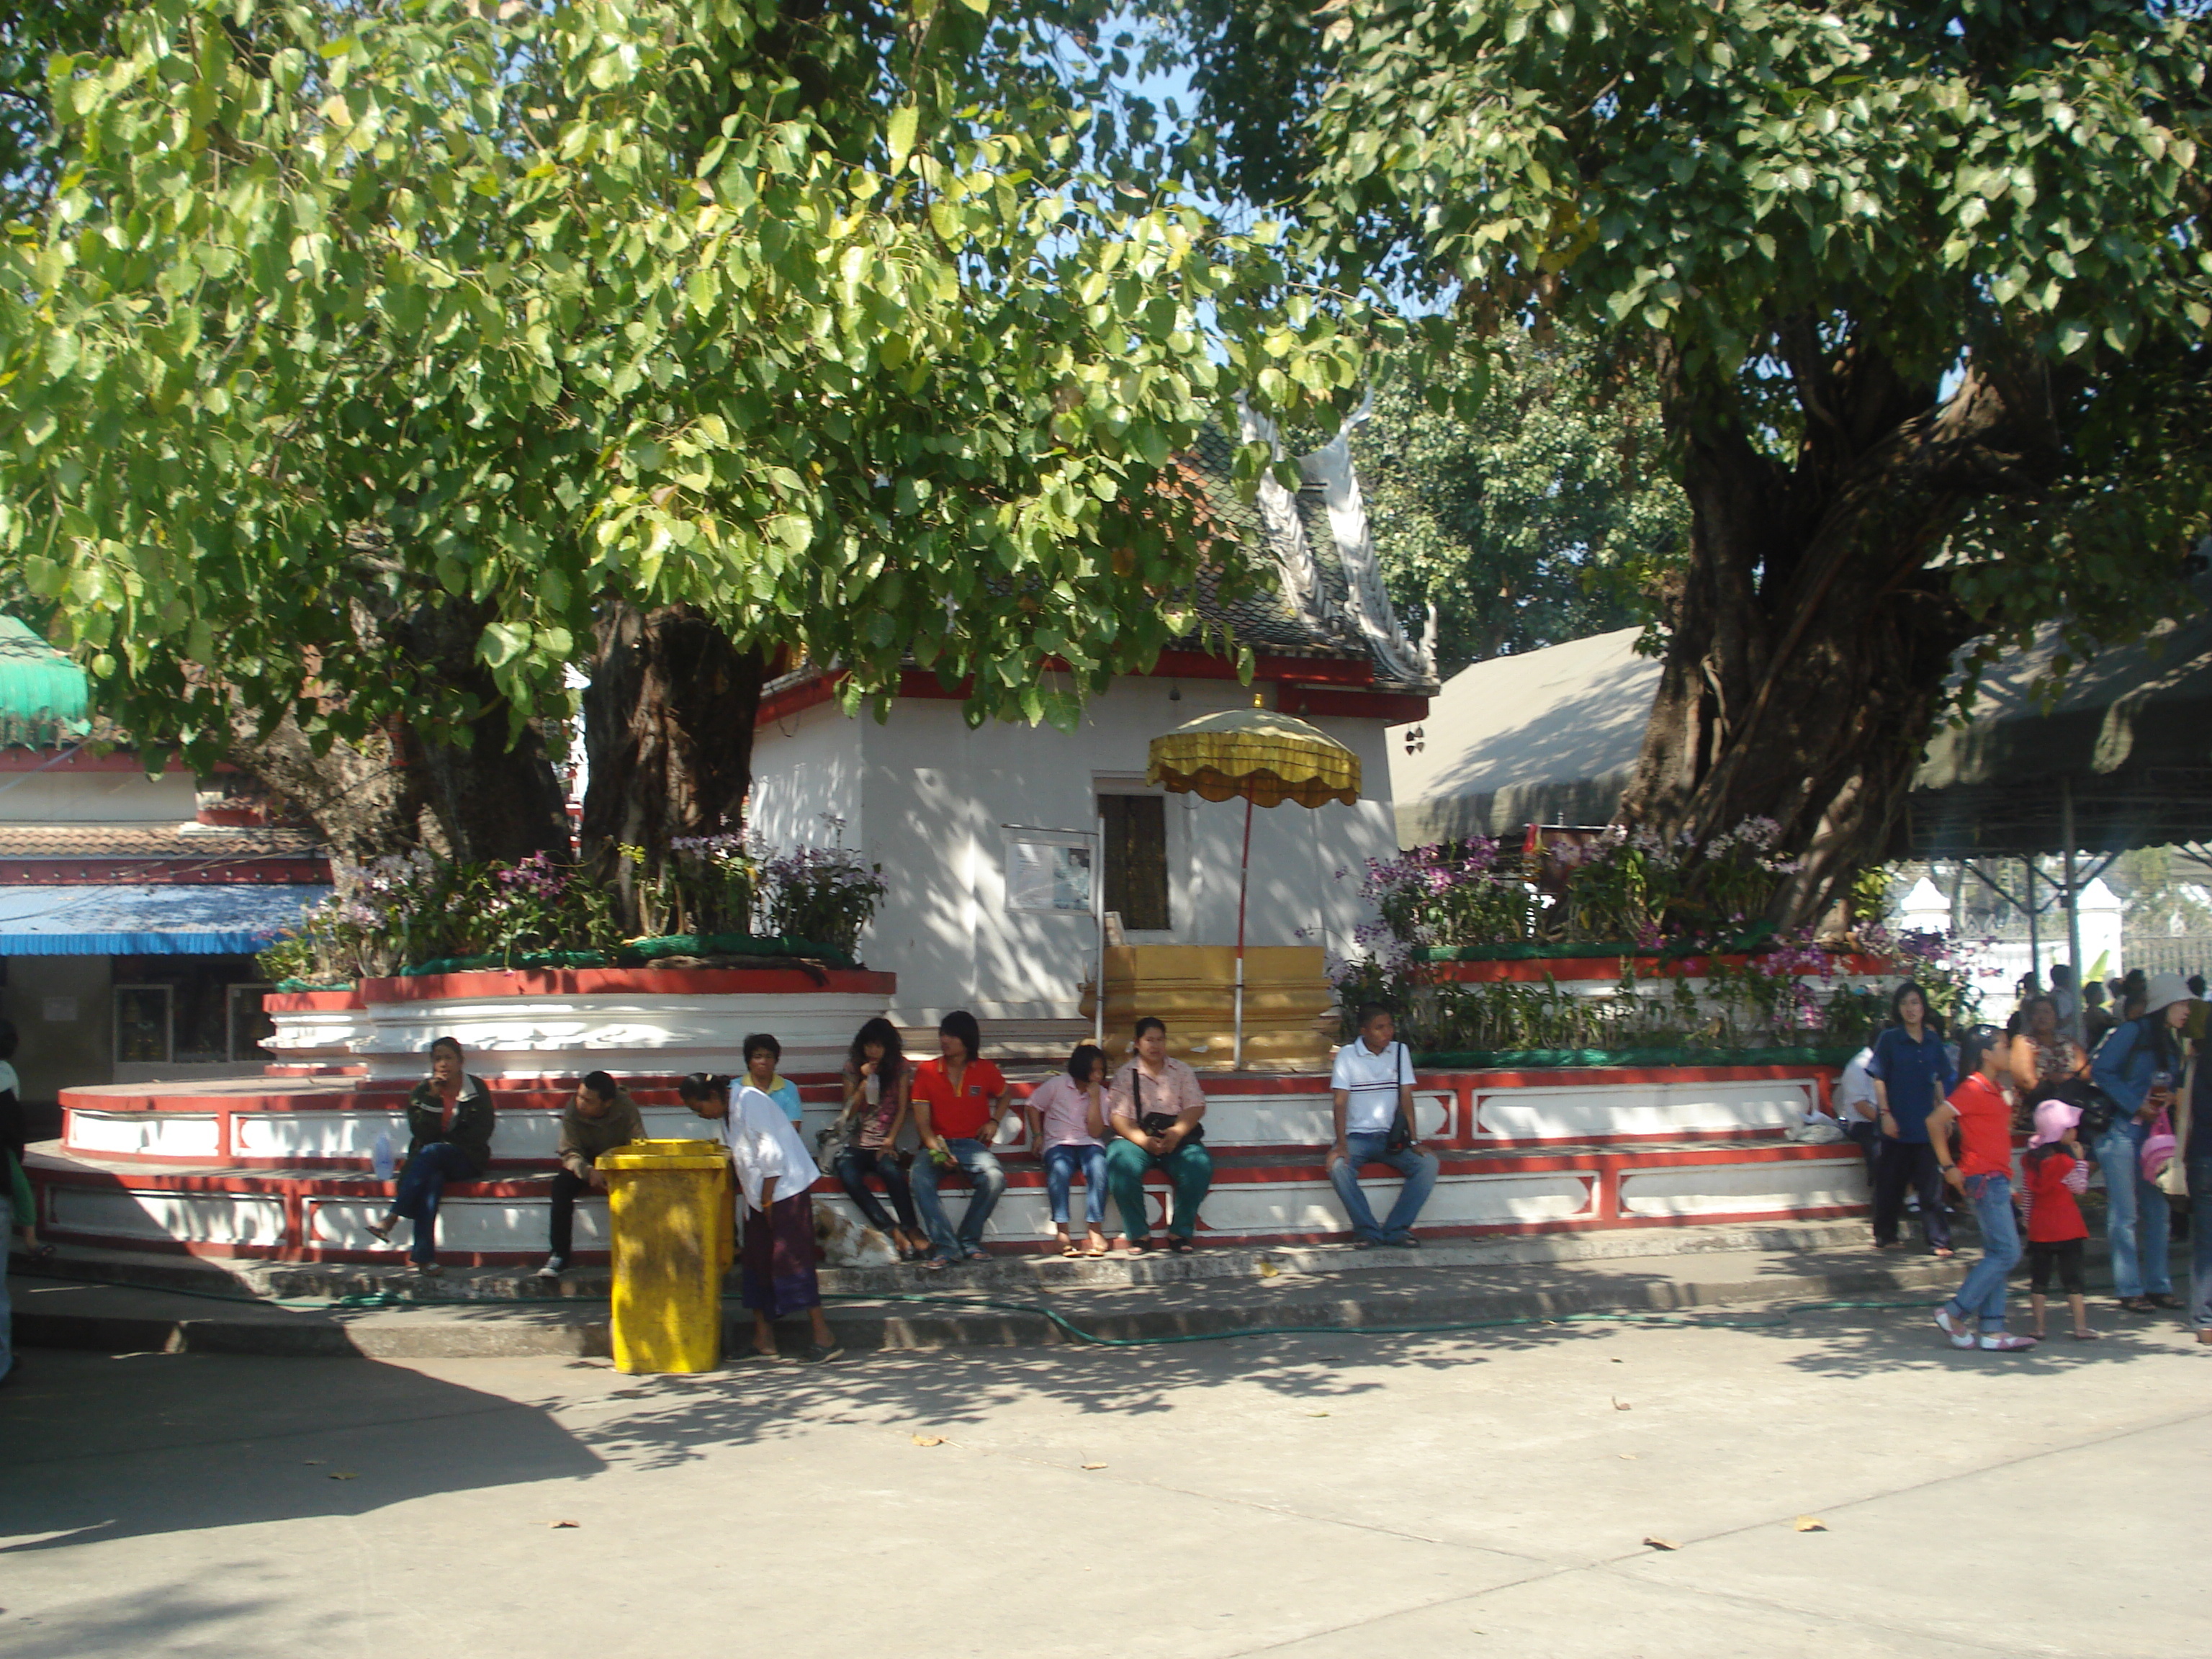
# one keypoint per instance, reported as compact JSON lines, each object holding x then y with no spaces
{"x":1401,"y":1127}
{"x":1159,"y":1123}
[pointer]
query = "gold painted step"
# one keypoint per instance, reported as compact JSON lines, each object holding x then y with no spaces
{"x":1289,"y":1007}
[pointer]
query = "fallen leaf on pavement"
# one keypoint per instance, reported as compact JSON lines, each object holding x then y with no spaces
{"x":1630,"y":1457}
{"x":344,"y":1474}
{"x":1662,"y":1543}
{"x":557,"y":1525}
{"x":929,"y":1439}
{"x":1808,"y":1523}
{"x":1094,"y":1466}
{"x":315,"y":1463}
{"x":1620,"y":1405}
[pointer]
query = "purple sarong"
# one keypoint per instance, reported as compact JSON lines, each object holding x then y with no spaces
{"x":777,"y":1260}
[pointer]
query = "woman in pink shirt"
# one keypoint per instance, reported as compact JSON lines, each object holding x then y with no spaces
{"x":1067,"y":1116}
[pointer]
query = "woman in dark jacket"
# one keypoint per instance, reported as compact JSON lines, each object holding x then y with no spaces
{"x":449,"y":1125}
{"x":1912,"y":1074}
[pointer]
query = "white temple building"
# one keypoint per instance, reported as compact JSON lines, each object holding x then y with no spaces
{"x":986,"y":836}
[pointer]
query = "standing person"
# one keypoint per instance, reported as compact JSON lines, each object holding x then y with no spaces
{"x":1857,"y":1108}
{"x":14,"y":1134}
{"x":2192,"y":1131}
{"x":1157,"y":1112}
{"x":15,"y":1210}
{"x":1067,"y":1118}
{"x":2062,"y":994}
{"x":2042,"y":1055}
{"x":599,"y":1117}
{"x":2024,"y":989}
{"x":958,"y":1099}
{"x":775,"y":1178}
{"x":449,"y":1128}
{"x":2097,"y":1020}
{"x":1911,"y":1073}
{"x":1983,"y":1174}
{"x":2138,"y":1066}
{"x":1372,"y":1093}
{"x":2055,"y":1174}
{"x":764,"y":1053}
{"x":879,"y":1094}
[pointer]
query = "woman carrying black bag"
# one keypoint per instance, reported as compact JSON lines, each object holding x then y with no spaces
{"x":1372,"y":1088}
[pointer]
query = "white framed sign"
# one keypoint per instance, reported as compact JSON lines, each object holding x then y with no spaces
{"x":1050,"y":876}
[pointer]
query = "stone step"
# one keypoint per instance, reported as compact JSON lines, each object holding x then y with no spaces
{"x":1800,"y":1267}
{"x":1024,"y":1275}
{"x":1278,"y":1196}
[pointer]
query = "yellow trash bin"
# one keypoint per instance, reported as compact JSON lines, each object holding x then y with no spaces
{"x":668,"y":1204}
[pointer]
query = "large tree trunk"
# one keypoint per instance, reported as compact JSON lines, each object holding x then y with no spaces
{"x":481,"y":799}
{"x":495,"y":794}
{"x":668,"y":733}
{"x":1811,"y":642}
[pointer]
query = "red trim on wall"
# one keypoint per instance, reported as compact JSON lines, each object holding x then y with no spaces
{"x":620,"y":981}
{"x":1391,"y":707}
{"x":1535,"y":970}
{"x":796,"y":699}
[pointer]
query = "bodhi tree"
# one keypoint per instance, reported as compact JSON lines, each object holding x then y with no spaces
{"x":1924,"y":291}
{"x":376,"y":366}
{"x":1536,"y":517}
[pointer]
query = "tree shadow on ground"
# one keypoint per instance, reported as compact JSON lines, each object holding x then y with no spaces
{"x":104,"y":1447}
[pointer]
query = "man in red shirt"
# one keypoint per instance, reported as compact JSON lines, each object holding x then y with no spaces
{"x":1983,"y":1174}
{"x":958,"y":1099}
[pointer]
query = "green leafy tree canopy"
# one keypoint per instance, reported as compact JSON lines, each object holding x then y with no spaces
{"x":821,"y":324}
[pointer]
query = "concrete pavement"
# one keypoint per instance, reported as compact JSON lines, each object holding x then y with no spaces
{"x":1483,"y":1494}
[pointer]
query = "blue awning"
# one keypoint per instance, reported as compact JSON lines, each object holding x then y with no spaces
{"x":150,"y":922}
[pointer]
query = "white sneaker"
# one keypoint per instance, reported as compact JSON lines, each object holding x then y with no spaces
{"x":554,"y":1268}
{"x":2005,"y":1342}
{"x":1960,"y":1336}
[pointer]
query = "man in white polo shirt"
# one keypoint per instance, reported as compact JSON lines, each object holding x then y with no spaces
{"x":1373,"y":1089}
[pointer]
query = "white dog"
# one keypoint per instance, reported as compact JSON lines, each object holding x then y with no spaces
{"x":844,"y":1243}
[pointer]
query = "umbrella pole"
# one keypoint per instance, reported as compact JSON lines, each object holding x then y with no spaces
{"x":1244,"y":876}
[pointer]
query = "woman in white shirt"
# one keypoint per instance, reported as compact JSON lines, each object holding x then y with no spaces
{"x":1067,"y":1118}
{"x":776,"y":1174}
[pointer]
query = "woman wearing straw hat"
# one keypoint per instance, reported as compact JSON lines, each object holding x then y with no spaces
{"x":2138,"y":1065}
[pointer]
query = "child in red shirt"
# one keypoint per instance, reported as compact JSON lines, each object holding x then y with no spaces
{"x":2055,"y":1176}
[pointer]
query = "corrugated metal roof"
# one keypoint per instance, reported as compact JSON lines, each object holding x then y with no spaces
{"x":148,"y":921}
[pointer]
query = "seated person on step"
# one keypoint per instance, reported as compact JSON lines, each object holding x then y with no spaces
{"x":1372,"y":1088}
{"x":449,"y":1127}
{"x":599,"y":1118}
{"x":958,"y":1099}
{"x":764,"y":1053}
{"x":1068,"y":1121}
{"x":1157,"y":1111}
{"x":879,"y":1084}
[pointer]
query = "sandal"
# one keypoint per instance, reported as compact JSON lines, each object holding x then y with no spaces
{"x":2086,"y":1336}
{"x":1098,"y":1252}
{"x":2163,"y":1299}
{"x":383,"y":1232}
{"x":1069,"y":1250}
{"x":1184,"y":1247}
{"x":2137,"y":1304}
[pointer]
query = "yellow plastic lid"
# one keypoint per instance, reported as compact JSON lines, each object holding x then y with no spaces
{"x":665,"y":1155}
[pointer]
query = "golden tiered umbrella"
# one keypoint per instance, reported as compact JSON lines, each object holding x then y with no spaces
{"x":1265,"y":758}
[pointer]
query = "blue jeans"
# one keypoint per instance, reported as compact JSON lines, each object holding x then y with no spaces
{"x":1419,"y":1169}
{"x":1982,"y":1295}
{"x":986,"y":1182}
{"x":421,"y":1184}
{"x":1060,"y":1167}
{"x":2137,"y":1216}
{"x":2200,"y":1243}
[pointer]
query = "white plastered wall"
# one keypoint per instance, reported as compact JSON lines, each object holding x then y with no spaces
{"x":932,"y":800}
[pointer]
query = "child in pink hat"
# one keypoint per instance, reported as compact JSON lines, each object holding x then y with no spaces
{"x":2055,"y":1176}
